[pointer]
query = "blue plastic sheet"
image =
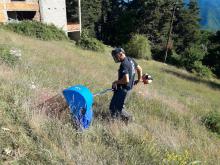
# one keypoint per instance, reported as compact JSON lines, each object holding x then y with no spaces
{"x":80,"y":101}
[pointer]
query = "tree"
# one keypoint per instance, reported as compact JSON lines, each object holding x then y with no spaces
{"x":72,"y":10}
{"x":213,"y":58}
{"x":186,"y":27}
{"x":91,"y":14}
{"x":112,"y":20}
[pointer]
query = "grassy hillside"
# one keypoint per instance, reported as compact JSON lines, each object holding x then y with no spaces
{"x":167,"y":127}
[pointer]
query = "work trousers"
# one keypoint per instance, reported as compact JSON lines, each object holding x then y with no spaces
{"x":117,"y":105}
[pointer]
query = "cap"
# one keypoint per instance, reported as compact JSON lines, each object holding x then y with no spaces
{"x":117,"y":50}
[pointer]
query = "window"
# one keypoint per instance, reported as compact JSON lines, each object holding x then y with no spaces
{"x":21,"y":15}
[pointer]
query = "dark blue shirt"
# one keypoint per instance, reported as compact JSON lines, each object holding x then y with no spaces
{"x":128,"y":66}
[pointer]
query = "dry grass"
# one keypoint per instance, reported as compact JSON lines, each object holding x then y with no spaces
{"x":167,"y":113}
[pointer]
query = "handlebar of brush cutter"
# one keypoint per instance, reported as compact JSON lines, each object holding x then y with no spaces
{"x":145,"y":79}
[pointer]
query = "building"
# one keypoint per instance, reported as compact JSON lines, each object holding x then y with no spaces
{"x":46,"y":11}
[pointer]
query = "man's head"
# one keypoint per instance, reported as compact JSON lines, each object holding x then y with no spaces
{"x":118,"y":54}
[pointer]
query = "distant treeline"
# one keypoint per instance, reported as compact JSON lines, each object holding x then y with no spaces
{"x":114,"y":22}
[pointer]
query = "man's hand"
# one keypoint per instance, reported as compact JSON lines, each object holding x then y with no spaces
{"x":114,"y":85}
{"x":137,"y":81}
{"x":123,"y":81}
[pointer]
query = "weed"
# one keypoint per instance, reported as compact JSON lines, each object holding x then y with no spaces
{"x":212,"y":121}
{"x":87,"y":42}
{"x":176,"y":159}
{"x":9,"y":56}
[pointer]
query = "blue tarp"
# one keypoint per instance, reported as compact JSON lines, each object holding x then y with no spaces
{"x":80,"y":101}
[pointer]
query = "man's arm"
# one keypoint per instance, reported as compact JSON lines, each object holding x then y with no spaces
{"x":139,"y":72}
{"x":123,"y":80}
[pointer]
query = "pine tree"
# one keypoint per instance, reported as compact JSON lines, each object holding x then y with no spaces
{"x":186,"y":26}
{"x":72,"y":10}
{"x":112,"y":12}
{"x":91,"y":14}
{"x":213,"y":57}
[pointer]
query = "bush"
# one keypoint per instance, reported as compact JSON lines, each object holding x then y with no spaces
{"x":90,"y":43}
{"x":158,"y":53}
{"x":202,"y":70}
{"x":212,"y":121}
{"x":191,"y":55}
{"x":174,"y":58}
{"x":37,"y":30}
{"x":138,"y":47}
{"x":216,"y":70}
{"x":7,"y":56}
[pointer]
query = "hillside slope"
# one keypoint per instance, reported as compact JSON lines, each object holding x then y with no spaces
{"x":167,"y":127}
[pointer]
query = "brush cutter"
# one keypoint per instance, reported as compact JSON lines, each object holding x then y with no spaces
{"x":146,"y":79}
{"x":80,"y":100}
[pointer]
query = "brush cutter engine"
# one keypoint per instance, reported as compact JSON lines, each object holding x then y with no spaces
{"x":147,"y":79}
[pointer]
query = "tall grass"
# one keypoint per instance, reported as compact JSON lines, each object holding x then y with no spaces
{"x":167,"y":127}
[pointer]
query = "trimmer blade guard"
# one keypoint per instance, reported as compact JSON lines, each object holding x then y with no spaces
{"x":80,"y":101}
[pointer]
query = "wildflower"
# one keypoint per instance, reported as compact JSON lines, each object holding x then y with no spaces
{"x":32,"y":85}
{"x":16,"y":52}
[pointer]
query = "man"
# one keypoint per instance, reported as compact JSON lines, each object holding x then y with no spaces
{"x":124,"y":84}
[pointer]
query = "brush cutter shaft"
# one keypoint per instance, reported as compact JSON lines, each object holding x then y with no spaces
{"x":103,"y":92}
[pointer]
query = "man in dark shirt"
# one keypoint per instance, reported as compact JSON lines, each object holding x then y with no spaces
{"x":124,"y":84}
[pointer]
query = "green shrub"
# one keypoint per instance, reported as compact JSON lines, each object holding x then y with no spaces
{"x":216,"y":70}
{"x":202,"y":70}
{"x":158,"y":52}
{"x":175,"y":59}
{"x":90,"y":43}
{"x":138,"y":47}
{"x":7,"y":56}
{"x":37,"y":30}
{"x":191,"y":55}
{"x":212,"y":121}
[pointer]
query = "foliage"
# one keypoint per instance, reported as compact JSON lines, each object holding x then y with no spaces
{"x":90,"y":43}
{"x":37,"y":30}
{"x":91,"y":13}
{"x":72,"y":10}
{"x":174,"y":58}
{"x":117,"y":23}
{"x":7,"y":56}
{"x":138,"y":47}
{"x":192,"y":61}
{"x":191,"y":55}
{"x":212,"y":59}
{"x":113,"y":22}
{"x":212,"y":121}
{"x":186,"y":27}
{"x":202,"y":70}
